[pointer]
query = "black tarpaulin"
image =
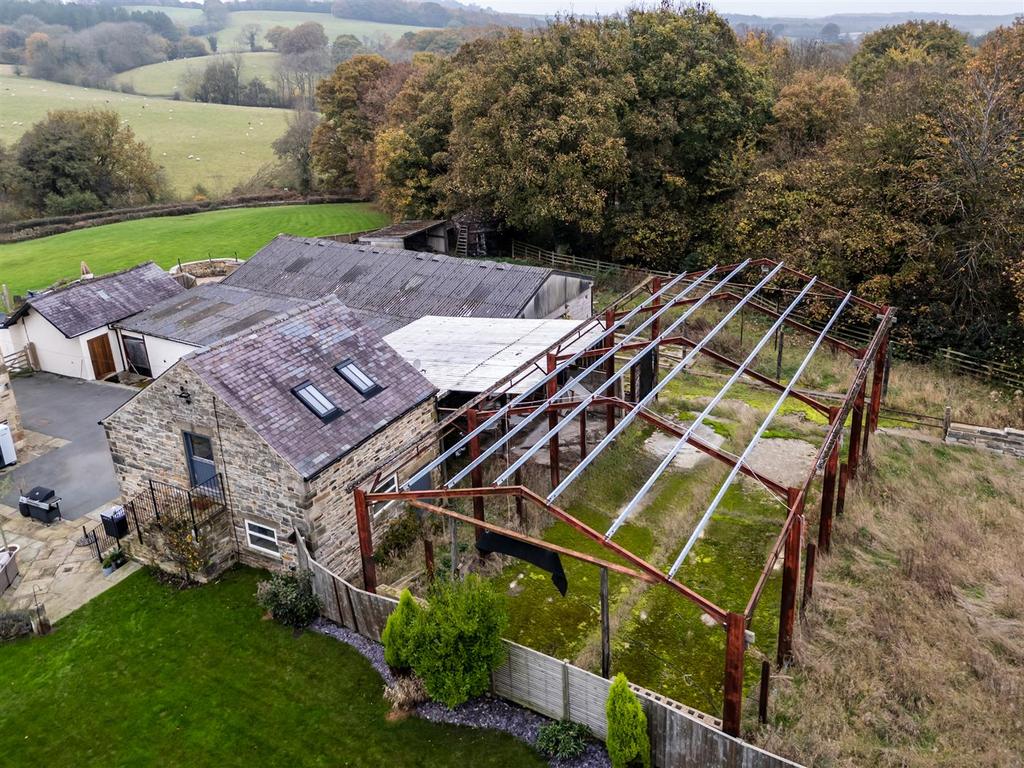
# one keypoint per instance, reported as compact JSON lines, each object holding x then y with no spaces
{"x":648,"y":364}
{"x":531,"y":553}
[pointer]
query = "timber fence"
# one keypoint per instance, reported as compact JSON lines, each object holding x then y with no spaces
{"x":680,"y":736}
{"x":958,"y":362}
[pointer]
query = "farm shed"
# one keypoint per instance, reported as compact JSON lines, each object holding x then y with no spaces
{"x":471,"y":354}
{"x":70,"y":330}
{"x":403,"y":286}
{"x":279,"y":419}
{"x":434,"y":235}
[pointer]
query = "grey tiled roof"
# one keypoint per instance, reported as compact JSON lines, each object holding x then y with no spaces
{"x":403,"y":285}
{"x":90,"y":304}
{"x":255,"y":373}
{"x":405,"y":228}
{"x":208,"y":313}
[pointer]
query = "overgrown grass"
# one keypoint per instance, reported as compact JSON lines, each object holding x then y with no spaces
{"x":236,"y":232}
{"x":147,"y":674}
{"x":216,"y":145}
{"x":913,"y":649}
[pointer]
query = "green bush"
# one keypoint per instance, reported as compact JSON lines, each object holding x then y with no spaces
{"x":397,"y":636}
{"x":457,"y":639}
{"x":401,"y":533}
{"x":627,"y":740}
{"x":289,"y":598}
{"x":564,"y":740}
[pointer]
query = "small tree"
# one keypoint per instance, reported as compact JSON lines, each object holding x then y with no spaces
{"x":457,"y":639}
{"x":183,"y":546}
{"x":397,"y":636}
{"x":628,"y":744}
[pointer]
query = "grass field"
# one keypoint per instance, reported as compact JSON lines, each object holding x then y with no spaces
{"x":226,"y":38}
{"x":215,"y":145}
{"x":165,"y":78}
{"x":237,"y":232}
{"x":147,"y":674}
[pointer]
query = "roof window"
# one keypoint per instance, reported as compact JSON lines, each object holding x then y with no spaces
{"x":317,"y":401}
{"x":358,"y":378}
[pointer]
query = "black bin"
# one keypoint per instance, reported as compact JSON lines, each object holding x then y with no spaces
{"x":115,"y":523}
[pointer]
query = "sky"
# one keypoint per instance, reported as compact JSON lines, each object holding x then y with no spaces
{"x":775,"y":7}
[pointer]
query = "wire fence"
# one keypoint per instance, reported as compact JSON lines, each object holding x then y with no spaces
{"x":1000,"y":374}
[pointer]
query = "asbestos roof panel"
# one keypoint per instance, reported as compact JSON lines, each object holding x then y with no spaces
{"x":404,"y":228}
{"x":89,"y":304}
{"x":459,"y":354}
{"x":404,"y":285}
{"x":208,"y":313}
{"x":255,"y":372}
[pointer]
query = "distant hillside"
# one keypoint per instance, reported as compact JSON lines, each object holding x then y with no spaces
{"x":854,"y":25}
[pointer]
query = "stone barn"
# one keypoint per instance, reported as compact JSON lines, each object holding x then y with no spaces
{"x":279,"y":419}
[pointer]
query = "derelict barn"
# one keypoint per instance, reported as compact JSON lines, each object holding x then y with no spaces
{"x":590,"y":394}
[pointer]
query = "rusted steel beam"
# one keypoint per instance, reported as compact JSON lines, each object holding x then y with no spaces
{"x":878,"y":381}
{"x":712,"y":610}
{"x":844,"y":478}
{"x":476,"y":477}
{"x":609,"y":370}
{"x":790,"y":580}
{"x":808,"y":576}
{"x":853,"y":456}
{"x":553,"y":457}
{"x":576,"y":555}
{"x":762,"y":699}
{"x":769,"y":565}
{"x":828,"y":493}
{"x":583,"y":433}
{"x":667,"y":426}
{"x":365,"y":540}
{"x":735,"y":649}
{"x":428,"y":556}
{"x":439,"y":493}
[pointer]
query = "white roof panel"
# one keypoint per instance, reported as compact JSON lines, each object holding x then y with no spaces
{"x":472,"y":354}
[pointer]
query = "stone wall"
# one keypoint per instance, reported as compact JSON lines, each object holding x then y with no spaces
{"x":333,"y":525}
{"x":146,"y":439}
{"x":1008,"y":440}
{"x":207,"y":267}
{"x":8,"y":405}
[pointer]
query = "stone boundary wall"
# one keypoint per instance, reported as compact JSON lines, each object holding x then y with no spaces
{"x":207,"y":267}
{"x":1008,"y":440}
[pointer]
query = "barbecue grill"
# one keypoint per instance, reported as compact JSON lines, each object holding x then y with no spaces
{"x":41,"y":504}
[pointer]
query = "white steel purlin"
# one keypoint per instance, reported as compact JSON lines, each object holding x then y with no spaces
{"x":624,"y":514}
{"x":500,"y":413}
{"x":754,"y":440}
{"x":628,"y":418}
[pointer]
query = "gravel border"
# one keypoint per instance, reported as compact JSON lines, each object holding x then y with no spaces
{"x":482,"y":712}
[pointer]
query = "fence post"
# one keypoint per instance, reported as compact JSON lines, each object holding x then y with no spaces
{"x":152,"y":495}
{"x":947,"y":421}
{"x":566,"y":709}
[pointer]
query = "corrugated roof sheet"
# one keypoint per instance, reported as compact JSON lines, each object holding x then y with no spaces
{"x":404,"y":228}
{"x":90,"y":304}
{"x":208,"y":313}
{"x":469,"y":354}
{"x":255,"y":373}
{"x":404,"y":285}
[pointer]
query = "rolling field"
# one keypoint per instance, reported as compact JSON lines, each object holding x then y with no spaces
{"x":165,"y":78}
{"x":215,"y":145}
{"x":237,"y":232}
{"x":332,"y":26}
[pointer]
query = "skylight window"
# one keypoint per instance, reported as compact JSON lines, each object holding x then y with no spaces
{"x":317,"y":401}
{"x":358,"y":378}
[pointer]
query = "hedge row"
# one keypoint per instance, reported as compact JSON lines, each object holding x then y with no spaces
{"x":30,"y":229}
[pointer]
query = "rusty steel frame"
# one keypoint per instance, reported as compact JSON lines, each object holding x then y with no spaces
{"x":791,"y":534}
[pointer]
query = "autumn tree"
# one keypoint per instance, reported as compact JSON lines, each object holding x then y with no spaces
{"x":294,"y":147}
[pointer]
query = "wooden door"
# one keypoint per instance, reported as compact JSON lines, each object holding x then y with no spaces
{"x":102,"y":357}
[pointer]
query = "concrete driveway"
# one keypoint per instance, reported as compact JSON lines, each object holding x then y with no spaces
{"x":79,"y":470}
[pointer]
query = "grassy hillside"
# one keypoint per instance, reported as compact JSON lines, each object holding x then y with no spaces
{"x":165,"y":78}
{"x":210,"y":144}
{"x":238,"y":232}
{"x":332,"y":26}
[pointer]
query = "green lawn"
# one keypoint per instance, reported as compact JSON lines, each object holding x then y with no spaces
{"x":165,"y":78}
{"x":215,"y":145}
{"x":236,"y":232}
{"x":147,"y":674}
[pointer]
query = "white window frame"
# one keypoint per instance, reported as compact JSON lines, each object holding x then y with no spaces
{"x":357,"y":378}
{"x":263,"y":536}
{"x":387,"y":485}
{"x":317,"y":401}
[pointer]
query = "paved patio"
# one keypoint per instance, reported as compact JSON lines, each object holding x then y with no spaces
{"x":53,"y":570}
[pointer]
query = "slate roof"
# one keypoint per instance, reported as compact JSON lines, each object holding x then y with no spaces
{"x":86,"y":305}
{"x":255,"y":372}
{"x":208,"y":313}
{"x":404,"y":228}
{"x":401,"y":284}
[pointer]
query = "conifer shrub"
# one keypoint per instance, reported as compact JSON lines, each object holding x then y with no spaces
{"x":398,"y":634}
{"x":457,"y":639}
{"x":627,"y":742}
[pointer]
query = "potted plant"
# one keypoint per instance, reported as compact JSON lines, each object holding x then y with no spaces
{"x":113,"y":560}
